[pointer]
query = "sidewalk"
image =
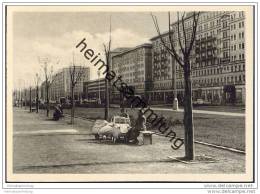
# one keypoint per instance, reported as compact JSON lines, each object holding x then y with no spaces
{"x":223,"y":113}
{"x":204,"y":112}
{"x":56,"y":147}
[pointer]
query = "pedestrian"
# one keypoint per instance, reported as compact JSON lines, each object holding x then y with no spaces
{"x":140,"y":125}
{"x":58,"y":113}
{"x":141,"y":121}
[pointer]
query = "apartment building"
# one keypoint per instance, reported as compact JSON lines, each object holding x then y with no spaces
{"x":61,"y":85}
{"x":217,"y":59}
{"x":135,"y":68}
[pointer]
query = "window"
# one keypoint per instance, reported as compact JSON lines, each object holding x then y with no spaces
{"x":224,"y":34}
{"x":224,"y":24}
{"x":225,"y":45}
{"x":225,"y":54}
{"x":243,"y":45}
{"x":235,"y":47}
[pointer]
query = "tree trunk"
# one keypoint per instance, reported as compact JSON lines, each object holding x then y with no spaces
{"x":37,"y":99}
{"x":30,"y":99}
{"x":188,"y":117}
{"x":106,"y":100}
{"x":48,"y":101}
{"x":73,"y":105}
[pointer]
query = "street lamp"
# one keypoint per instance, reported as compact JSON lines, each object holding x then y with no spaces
{"x":175,"y":100}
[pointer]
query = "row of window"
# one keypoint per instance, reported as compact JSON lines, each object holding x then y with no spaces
{"x":240,"y":25}
{"x":240,"y":14}
{"x":214,"y":71}
{"x":240,"y":35}
{"x":240,"y":46}
{"x":215,"y":81}
{"x":241,"y":57}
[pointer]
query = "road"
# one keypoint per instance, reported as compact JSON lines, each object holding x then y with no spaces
{"x":44,"y":146}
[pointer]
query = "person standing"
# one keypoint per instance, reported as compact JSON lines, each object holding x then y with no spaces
{"x":139,"y":126}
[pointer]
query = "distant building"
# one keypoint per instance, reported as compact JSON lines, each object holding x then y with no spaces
{"x":134,"y":65}
{"x":61,"y":86}
{"x":93,"y":89}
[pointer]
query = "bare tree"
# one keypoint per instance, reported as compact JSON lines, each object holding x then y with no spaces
{"x":183,"y":60}
{"x":76,"y":73}
{"x":30,"y":98}
{"x":37,"y":80}
{"x":107,"y":50}
{"x":48,"y":80}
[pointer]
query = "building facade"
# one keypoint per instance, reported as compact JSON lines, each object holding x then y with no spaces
{"x":217,"y":60}
{"x":61,"y":85}
{"x":135,"y":68}
{"x":94,"y":89}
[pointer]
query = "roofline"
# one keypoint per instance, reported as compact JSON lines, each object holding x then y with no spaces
{"x":163,"y":34}
{"x":134,"y":48}
{"x":93,"y":80}
{"x":167,"y":32}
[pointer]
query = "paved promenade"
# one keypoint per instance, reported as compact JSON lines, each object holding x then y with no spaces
{"x":41,"y":145}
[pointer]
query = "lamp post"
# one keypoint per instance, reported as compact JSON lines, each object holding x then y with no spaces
{"x":175,"y":99}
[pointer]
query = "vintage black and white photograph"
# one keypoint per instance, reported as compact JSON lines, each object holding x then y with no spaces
{"x":129,"y":93}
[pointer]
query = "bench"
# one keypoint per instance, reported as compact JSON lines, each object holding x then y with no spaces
{"x":147,"y":137}
{"x":33,"y":109}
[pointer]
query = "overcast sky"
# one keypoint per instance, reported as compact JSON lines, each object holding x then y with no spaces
{"x":55,"y":35}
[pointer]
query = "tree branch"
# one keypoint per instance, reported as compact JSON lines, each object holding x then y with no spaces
{"x":194,"y":30}
{"x":159,"y":34}
{"x":175,"y":55}
{"x":184,"y":33}
{"x":179,"y":35}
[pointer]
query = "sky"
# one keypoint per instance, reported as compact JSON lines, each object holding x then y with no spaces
{"x":55,"y":35}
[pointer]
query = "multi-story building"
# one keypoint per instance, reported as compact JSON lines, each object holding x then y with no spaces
{"x":61,"y":85}
{"x":94,"y":89}
{"x":134,"y":66}
{"x":217,"y":60}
